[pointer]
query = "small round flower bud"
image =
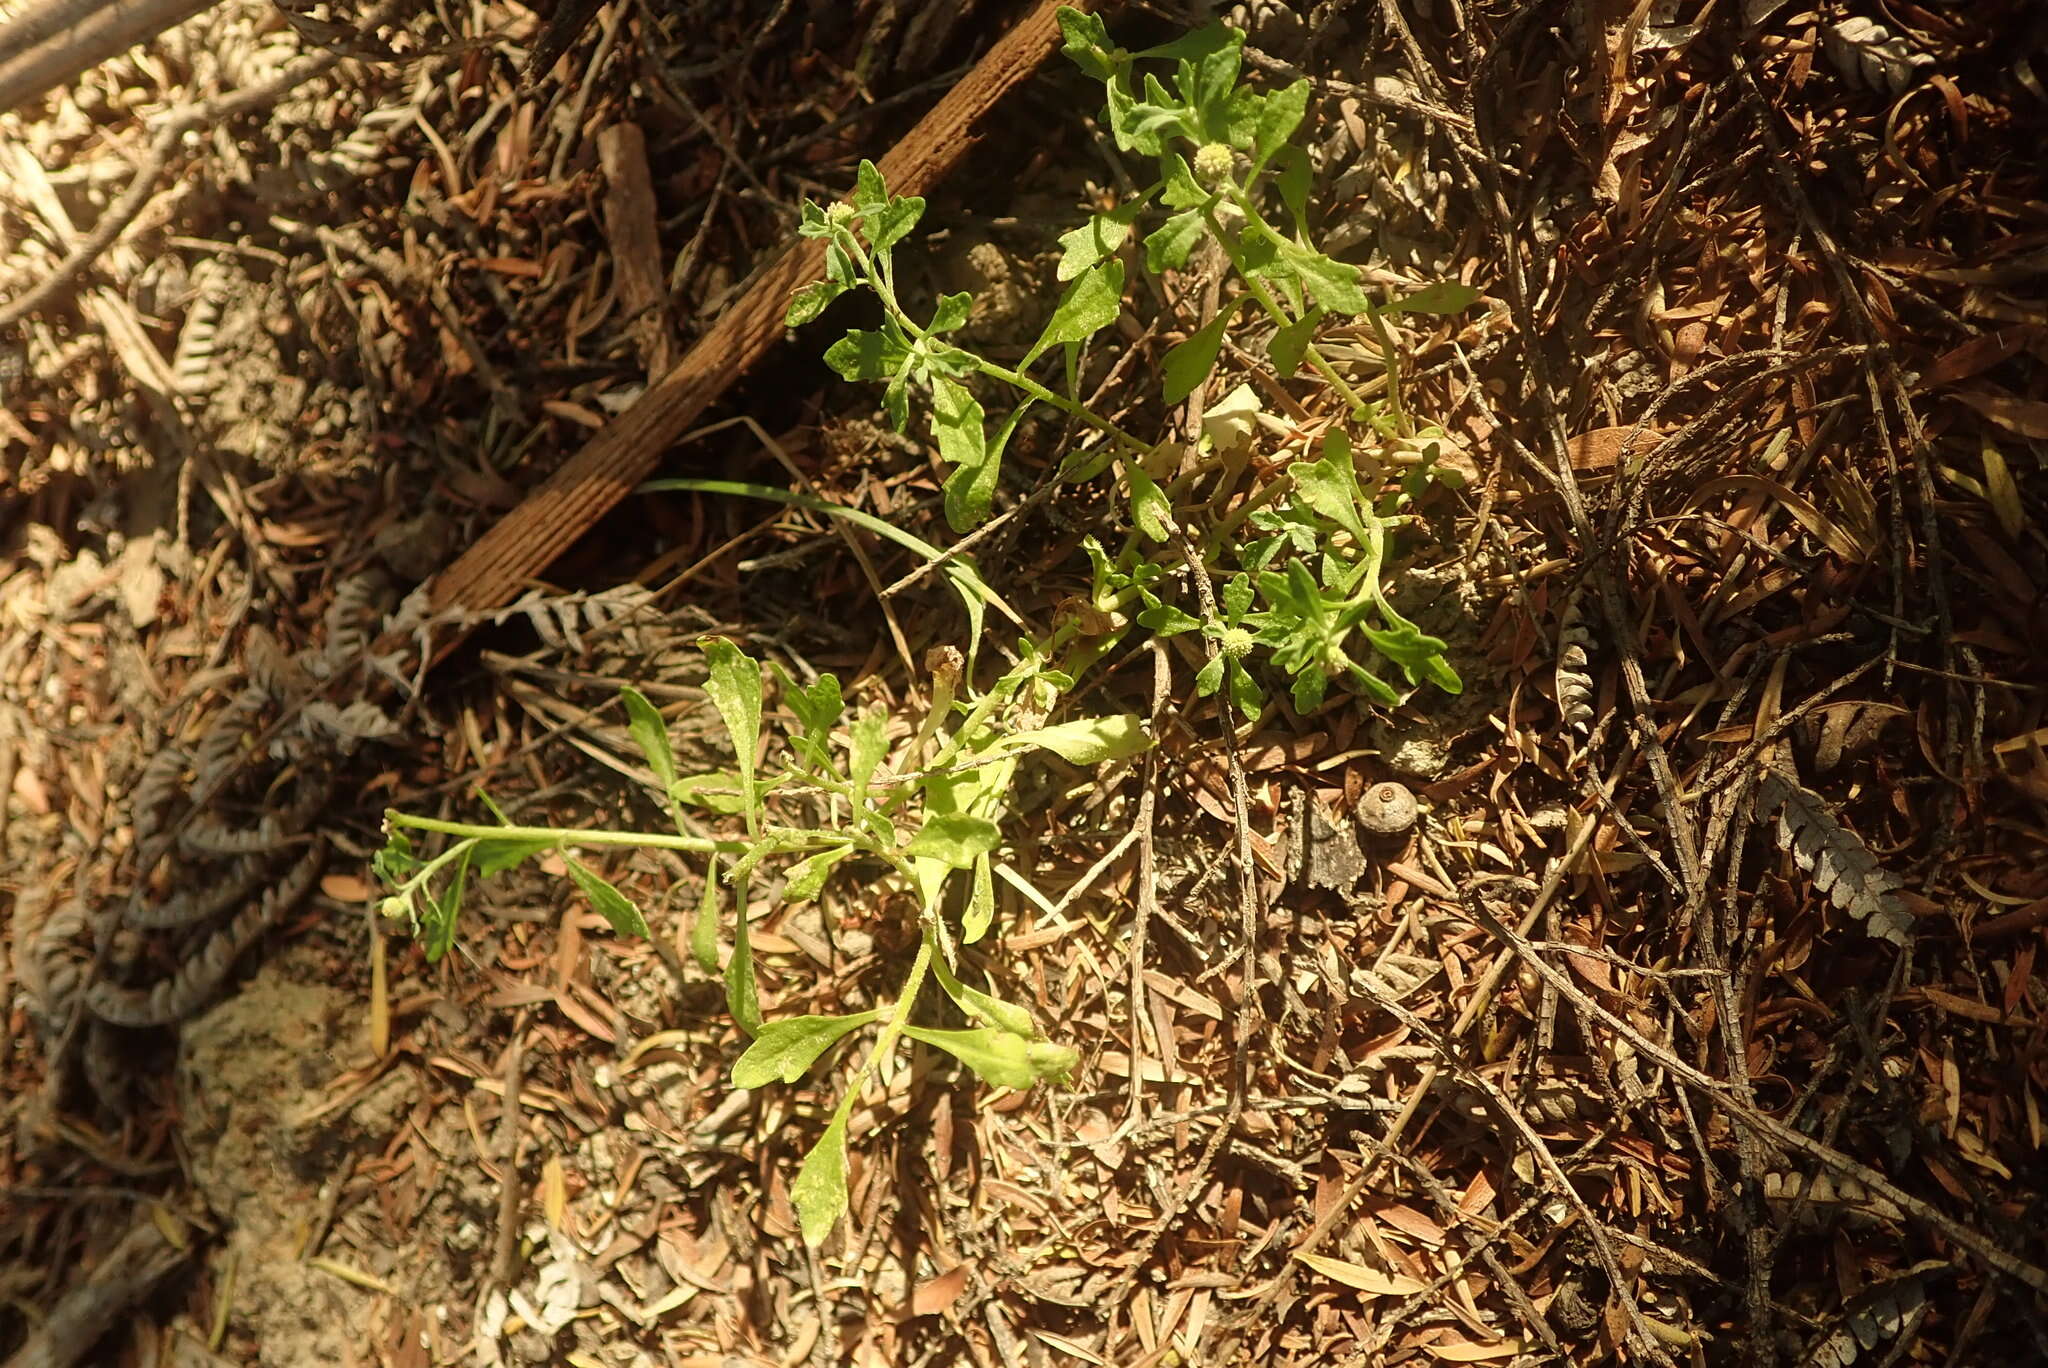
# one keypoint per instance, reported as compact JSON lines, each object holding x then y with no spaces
{"x":1235,"y":643}
{"x":1213,"y":163}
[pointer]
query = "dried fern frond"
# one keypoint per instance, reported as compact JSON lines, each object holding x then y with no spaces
{"x":560,"y":620}
{"x":229,"y":735}
{"x":1574,"y":679}
{"x":1814,"y":1201}
{"x":201,"y":973}
{"x":352,"y":621}
{"x":360,"y":721}
{"x":158,"y":785}
{"x":1877,"y":1315}
{"x":193,"y":363}
{"x":1840,"y":864}
{"x":191,"y":906}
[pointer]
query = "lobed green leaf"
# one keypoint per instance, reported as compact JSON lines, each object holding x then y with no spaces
{"x":1168,"y":246}
{"x":1279,"y":114}
{"x":1290,"y":343}
{"x":954,"y":839}
{"x":1091,"y":303}
{"x":807,"y":303}
{"x":1101,"y":236}
{"x":867,"y":355}
{"x":786,"y":1049}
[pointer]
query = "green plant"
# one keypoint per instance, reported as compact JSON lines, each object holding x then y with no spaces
{"x":928,"y":811}
{"x":1218,"y":147}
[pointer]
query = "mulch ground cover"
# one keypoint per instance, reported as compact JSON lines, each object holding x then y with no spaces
{"x":1667,"y":995}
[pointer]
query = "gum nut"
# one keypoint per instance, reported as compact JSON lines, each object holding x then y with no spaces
{"x":1386,"y":809}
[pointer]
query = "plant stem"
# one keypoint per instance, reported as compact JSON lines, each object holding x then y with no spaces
{"x":557,"y":836}
{"x":892,"y":1030}
{"x":1312,"y":354}
{"x":1390,"y":358}
{"x":886,"y":530}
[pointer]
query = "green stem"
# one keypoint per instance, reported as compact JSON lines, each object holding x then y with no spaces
{"x":1390,"y":358}
{"x":885,"y":291}
{"x":694,"y":844}
{"x":1073,"y":408}
{"x":892,"y":1030}
{"x":886,"y":530}
{"x":1312,"y":354}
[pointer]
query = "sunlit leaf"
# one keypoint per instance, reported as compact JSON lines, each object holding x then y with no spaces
{"x":888,"y":225}
{"x":980,"y":912}
{"x":1168,"y":246}
{"x":820,"y":1187}
{"x":954,"y":839}
{"x":1101,"y":236}
{"x":1279,"y":114}
{"x":812,"y":300}
{"x":1333,"y":283}
{"x":734,"y":687}
{"x":613,"y":905}
{"x":1089,"y":741}
{"x":704,"y":927}
{"x":1006,"y":1016}
{"x":437,"y":930}
{"x":1188,"y":363}
{"x":1291,"y":342}
{"x":496,"y":854}
{"x":650,"y":732}
{"x":952,"y":312}
{"x":1000,"y":1057}
{"x":786,"y":1049}
{"x":807,"y":876}
{"x":1359,"y":1278}
{"x":867,"y":355}
{"x":1091,"y":303}
{"x":1151,"y":510}
{"x":742,"y":997}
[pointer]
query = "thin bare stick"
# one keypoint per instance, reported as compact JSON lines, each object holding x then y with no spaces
{"x":57,"y":41}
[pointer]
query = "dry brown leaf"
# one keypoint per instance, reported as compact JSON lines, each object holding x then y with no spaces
{"x":554,"y":1191}
{"x":1359,"y":1278}
{"x":2027,"y":417}
{"x":1602,"y":448}
{"x":2002,"y":493}
{"x":935,"y":1295}
{"x":1467,"y":1351}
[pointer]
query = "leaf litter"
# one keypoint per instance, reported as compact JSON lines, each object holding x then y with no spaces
{"x":1706,"y":305}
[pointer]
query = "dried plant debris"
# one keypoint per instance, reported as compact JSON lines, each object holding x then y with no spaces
{"x":1822,"y":1200}
{"x":1840,"y":864}
{"x":1877,"y":1315}
{"x":1321,"y":852}
{"x":1574,"y":681}
{"x":1871,"y":57}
